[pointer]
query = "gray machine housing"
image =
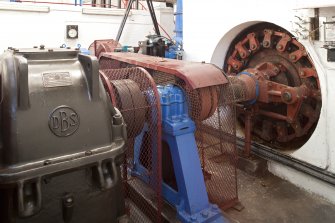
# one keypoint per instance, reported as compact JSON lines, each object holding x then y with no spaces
{"x":62,"y":142}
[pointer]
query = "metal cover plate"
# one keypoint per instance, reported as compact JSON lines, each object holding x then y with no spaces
{"x":197,"y":75}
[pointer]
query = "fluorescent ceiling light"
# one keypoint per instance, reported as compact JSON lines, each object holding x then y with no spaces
{"x":104,"y":11}
{"x":23,"y":7}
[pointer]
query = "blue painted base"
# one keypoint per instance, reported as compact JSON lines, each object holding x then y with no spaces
{"x":191,"y":199}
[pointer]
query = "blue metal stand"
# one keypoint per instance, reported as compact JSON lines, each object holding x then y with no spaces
{"x":190,"y":200}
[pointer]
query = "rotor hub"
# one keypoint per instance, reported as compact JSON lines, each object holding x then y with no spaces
{"x":288,"y":103}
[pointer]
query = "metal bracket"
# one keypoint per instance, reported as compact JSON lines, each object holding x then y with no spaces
{"x":22,"y":75}
{"x":91,"y":67}
{"x":29,"y":197}
{"x":106,"y":174}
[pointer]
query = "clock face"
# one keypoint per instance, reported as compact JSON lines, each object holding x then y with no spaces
{"x":72,"y":33}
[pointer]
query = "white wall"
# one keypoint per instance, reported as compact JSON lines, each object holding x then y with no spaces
{"x":26,"y":28}
{"x":205,"y":24}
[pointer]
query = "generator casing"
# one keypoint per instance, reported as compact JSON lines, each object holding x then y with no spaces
{"x":62,"y":142}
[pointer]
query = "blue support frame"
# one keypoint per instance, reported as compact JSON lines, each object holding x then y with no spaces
{"x":179,"y":23}
{"x":191,"y":199}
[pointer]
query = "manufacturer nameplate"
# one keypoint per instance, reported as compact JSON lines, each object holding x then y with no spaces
{"x":57,"y":79}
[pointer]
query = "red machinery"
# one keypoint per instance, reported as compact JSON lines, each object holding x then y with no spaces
{"x":213,"y":114}
{"x":271,"y":81}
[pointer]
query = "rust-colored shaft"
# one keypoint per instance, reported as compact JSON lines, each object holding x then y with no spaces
{"x":244,"y":87}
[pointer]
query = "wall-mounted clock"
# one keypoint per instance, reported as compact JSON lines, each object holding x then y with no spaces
{"x":72,"y":31}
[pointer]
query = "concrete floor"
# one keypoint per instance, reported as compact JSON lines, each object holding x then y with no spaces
{"x":271,"y":199}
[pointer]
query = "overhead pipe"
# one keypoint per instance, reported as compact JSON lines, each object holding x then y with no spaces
{"x":179,"y":23}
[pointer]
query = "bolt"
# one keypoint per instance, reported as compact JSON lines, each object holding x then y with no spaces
{"x":276,"y":70}
{"x":235,"y":66}
{"x":68,"y":47}
{"x":50,"y":50}
{"x":279,"y":47}
{"x":47,"y":162}
{"x":69,"y":200}
{"x":293,"y":57}
{"x":193,"y":218}
{"x":204,"y":214}
{"x":35,"y":47}
{"x":266,"y":43}
{"x":287,"y":96}
{"x":42,"y":47}
{"x":88,"y":153}
{"x":117,"y":119}
{"x":242,"y":54}
{"x":302,"y":73}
